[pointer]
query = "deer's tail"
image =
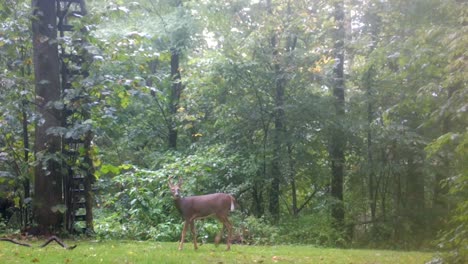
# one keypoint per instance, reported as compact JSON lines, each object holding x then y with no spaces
{"x":233,"y":201}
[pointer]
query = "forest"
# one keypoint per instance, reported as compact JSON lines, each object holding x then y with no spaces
{"x":333,"y":123}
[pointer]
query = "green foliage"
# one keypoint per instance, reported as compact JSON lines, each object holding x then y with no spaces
{"x":405,"y":105}
{"x":312,"y":229}
{"x":259,"y":231}
{"x":136,"y":205}
{"x":16,"y":97}
{"x":454,"y":239}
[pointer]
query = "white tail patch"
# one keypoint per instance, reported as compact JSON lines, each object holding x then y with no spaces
{"x":232,"y":204}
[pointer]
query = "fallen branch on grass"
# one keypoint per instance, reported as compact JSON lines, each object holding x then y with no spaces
{"x":52,"y":238}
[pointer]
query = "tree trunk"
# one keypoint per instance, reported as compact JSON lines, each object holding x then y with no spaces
{"x":257,"y":200}
{"x":368,"y":83}
{"x":415,"y":207}
{"x":292,"y":179}
{"x":397,"y":197}
{"x":25,"y":71}
{"x":176,"y":90}
{"x":279,"y":124}
{"x":338,"y":136}
{"x":278,"y":146}
{"x":371,"y":174}
{"x":295,"y":210}
{"x":26,"y":183}
{"x":48,"y":175}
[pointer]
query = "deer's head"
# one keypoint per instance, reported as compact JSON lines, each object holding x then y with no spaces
{"x":175,"y":188}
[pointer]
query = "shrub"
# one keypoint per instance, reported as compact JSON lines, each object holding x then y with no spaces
{"x":312,"y":229}
{"x":137,"y":206}
{"x":256,"y":231}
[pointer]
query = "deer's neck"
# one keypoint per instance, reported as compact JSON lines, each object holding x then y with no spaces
{"x":178,"y":204}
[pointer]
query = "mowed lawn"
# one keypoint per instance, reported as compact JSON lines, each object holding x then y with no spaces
{"x":155,"y":252}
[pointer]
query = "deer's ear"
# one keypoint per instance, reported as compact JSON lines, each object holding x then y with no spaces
{"x":180,"y":181}
{"x":169,"y":180}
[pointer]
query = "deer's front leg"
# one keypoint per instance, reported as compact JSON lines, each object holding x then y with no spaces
{"x":182,"y":239}
{"x":194,"y":235}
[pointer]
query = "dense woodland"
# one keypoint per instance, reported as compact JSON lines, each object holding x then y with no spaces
{"x":332,"y":122}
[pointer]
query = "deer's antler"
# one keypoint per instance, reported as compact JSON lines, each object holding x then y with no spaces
{"x":169,"y":180}
{"x":180,"y":181}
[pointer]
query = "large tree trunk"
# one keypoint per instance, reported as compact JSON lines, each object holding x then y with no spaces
{"x":48,"y":175}
{"x":338,"y":137}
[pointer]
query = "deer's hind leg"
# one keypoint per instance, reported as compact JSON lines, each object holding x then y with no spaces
{"x":226,"y":224}
{"x":219,"y":235}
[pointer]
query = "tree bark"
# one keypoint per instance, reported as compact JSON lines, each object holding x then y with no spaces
{"x":48,"y":176}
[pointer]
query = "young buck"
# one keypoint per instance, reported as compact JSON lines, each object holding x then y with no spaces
{"x":216,"y":205}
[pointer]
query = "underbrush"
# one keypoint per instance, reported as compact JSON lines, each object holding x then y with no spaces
{"x":136,"y":204}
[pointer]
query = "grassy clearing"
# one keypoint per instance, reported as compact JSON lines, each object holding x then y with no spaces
{"x":155,"y":252}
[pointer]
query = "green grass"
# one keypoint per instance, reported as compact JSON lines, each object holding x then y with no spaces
{"x":156,"y":252}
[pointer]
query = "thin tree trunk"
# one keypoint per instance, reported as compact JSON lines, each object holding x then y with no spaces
{"x":48,"y":178}
{"x":295,"y":210}
{"x":372,"y":185}
{"x":279,"y":125}
{"x":176,"y":90}
{"x":415,"y":207}
{"x":257,"y":194}
{"x":277,"y":154}
{"x":26,"y":182}
{"x":338,"y":137}
{"x":292,"y":180}
{"x":370,"y":160}
{"x":368,"y":83}
{"x":25,"y":217}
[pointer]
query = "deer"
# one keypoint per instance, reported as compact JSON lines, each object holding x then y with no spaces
{"x":217,"y":205}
